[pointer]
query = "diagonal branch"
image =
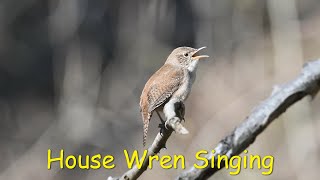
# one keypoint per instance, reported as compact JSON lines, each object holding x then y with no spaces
{"x":159,"y":142}
{"x":282,"y":97}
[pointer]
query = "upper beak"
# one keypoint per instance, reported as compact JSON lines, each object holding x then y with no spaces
{"x":197,"y":57}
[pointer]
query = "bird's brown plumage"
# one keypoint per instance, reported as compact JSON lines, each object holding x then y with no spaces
{"x":159,"y":88}
{"x":172,"y":81}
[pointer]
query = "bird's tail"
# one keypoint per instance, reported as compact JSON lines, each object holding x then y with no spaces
{"x":146,"y":119}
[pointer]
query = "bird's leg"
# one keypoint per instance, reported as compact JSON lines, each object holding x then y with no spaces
{"x":162,"y":125}
{"x":162,"y":121}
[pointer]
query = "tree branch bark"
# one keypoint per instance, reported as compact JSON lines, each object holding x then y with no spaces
{"x":282,"y":97}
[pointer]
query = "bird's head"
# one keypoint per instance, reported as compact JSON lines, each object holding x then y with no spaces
{"x":186,"y":57}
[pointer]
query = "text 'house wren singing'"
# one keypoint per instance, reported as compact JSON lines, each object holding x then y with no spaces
{"x":170,"y":84}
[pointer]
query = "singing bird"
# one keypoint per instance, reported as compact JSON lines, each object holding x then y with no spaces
{"x":170,"y":84}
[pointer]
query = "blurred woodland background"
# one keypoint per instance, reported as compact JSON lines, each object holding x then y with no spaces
{"x":71,"y":74}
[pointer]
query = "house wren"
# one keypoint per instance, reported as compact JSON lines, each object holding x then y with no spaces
{"x":170,"y":84}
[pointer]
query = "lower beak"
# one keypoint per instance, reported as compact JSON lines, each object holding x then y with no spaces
{"x":198,"y":57}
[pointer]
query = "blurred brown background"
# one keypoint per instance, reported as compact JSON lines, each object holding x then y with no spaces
{"x":71,"y":74}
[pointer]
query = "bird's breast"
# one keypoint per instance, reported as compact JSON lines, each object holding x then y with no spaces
{"x":184,"y":90}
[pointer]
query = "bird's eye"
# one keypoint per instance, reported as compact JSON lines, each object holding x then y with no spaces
{"x":186,"y":54}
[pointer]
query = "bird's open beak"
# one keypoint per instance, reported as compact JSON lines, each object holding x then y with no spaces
{"x":195,"y":55}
